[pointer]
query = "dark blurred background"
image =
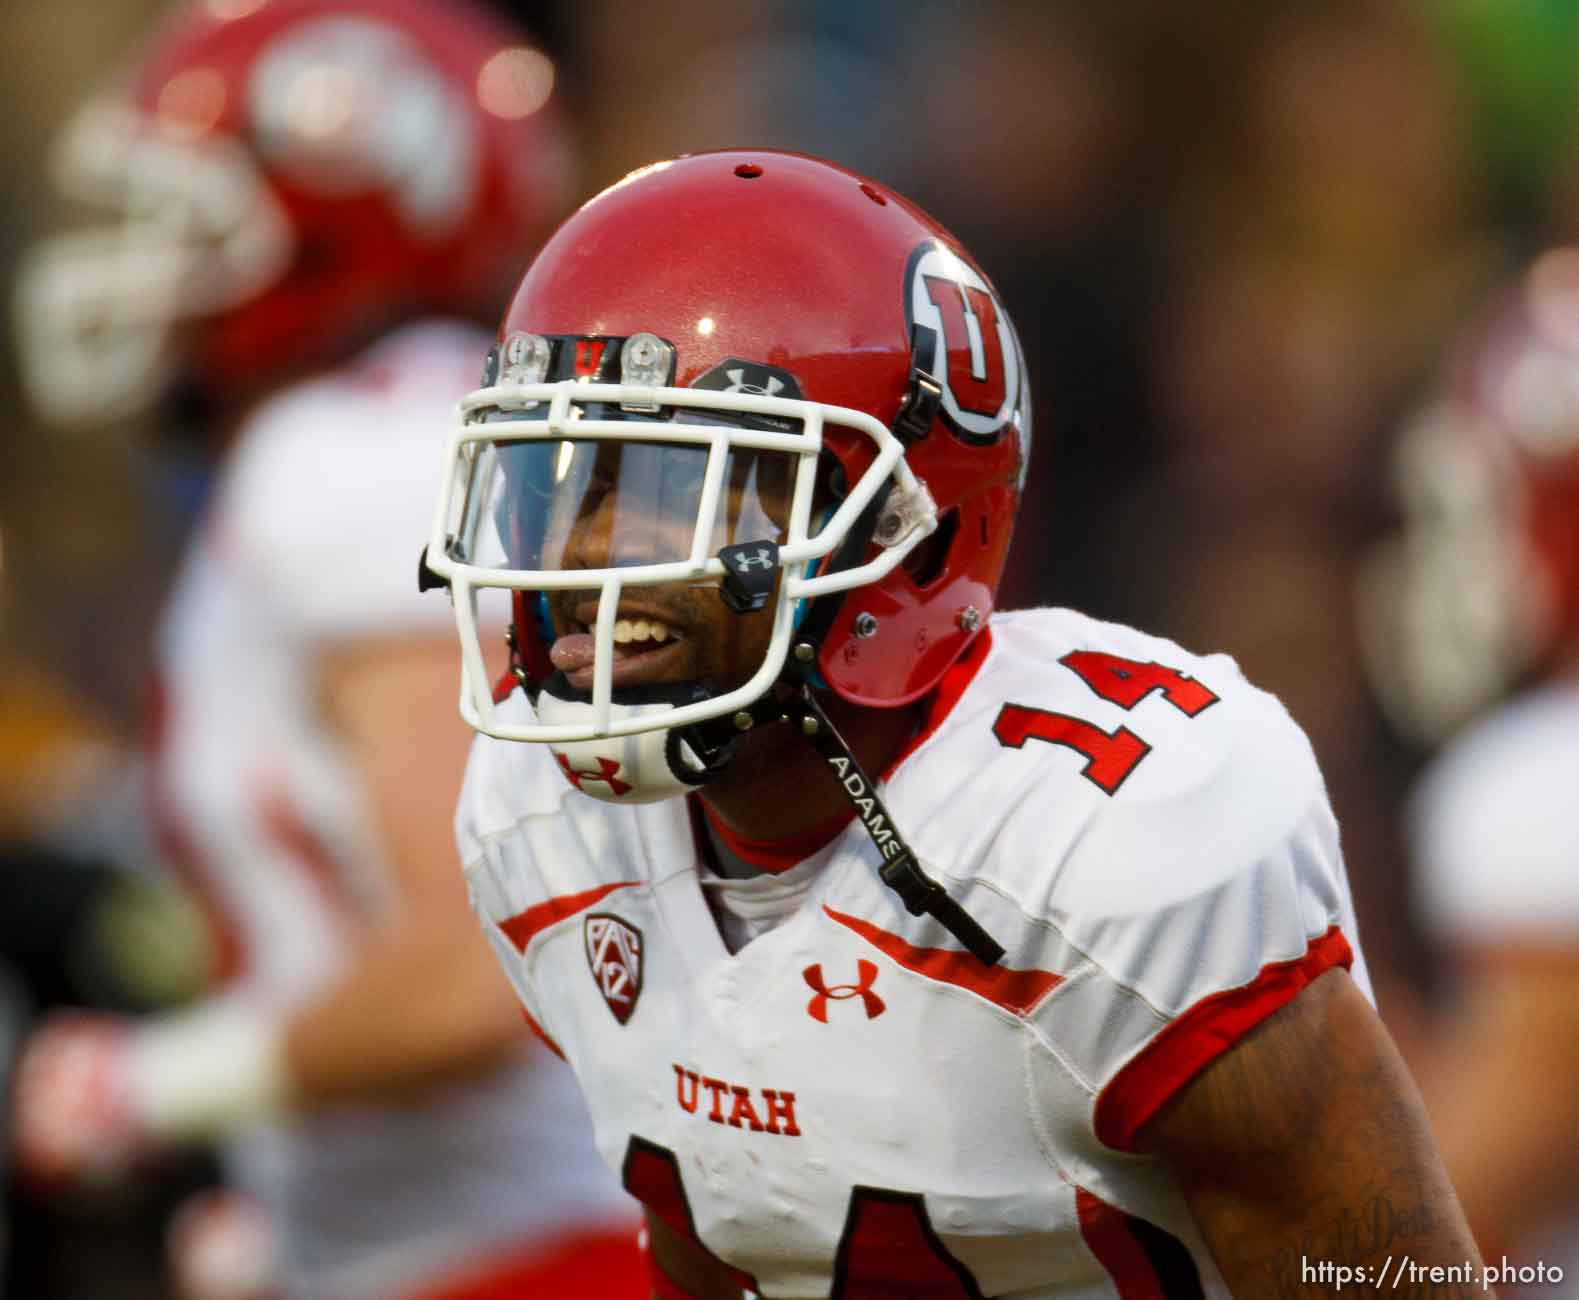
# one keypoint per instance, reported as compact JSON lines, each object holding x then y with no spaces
{"x":1235,"y":238}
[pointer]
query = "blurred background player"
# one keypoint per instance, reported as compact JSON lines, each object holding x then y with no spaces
{"x":305,"y":200}
{"x":1474,"y":613}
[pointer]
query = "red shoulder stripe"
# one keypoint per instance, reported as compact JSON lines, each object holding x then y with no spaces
{"x":1203,"y":1033}
{"x":1014,"y":990}
{"x":522,"y":928}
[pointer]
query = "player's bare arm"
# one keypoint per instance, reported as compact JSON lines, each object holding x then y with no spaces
{"x":389,"y":1022}
{"x":1307,"y":1143}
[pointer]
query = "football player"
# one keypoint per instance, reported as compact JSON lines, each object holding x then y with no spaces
{"x":901,"y":947}
{"x":307,"y":199}
{"x":1478,"y":602}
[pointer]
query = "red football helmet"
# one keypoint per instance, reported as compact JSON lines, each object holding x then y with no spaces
{"x":287,"y":178}
{"x":710,"y":325}
{"x":1482,"y":589}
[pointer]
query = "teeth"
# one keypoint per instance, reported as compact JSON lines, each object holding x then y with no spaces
{"x":627,"y":630}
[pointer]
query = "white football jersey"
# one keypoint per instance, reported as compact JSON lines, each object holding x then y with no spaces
{"x":850,"y":1103}
{"x":313,"y":538}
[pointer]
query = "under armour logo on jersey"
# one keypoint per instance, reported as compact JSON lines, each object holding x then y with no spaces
{"x":866,"y":974}
{"x":614,"y":951}
{"x":607,"y":767}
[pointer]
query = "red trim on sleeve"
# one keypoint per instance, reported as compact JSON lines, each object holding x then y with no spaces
{"x":1014,"y":990}
{"x":531,"y":1023}
{"x":1107,"y":1236}
{"x":1203,"y":1033}
{"x":523,"y":927}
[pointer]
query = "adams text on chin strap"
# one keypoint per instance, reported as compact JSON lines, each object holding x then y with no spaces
{"x":901,"y":870}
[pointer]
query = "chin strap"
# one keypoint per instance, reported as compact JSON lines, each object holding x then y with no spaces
{"x":901,"y":870}
{"x":713,"y":743}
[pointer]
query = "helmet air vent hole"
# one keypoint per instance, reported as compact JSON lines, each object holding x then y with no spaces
{"x":873,"y":194}
{"x":748,"y":171}
{"x":925,"y":563}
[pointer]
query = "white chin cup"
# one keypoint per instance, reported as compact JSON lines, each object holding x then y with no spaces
{"x":619,"y":769}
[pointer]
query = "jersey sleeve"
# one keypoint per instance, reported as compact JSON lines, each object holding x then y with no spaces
{"x":329,"y":497}
{"x":1495,"y":845}
{"x":1189,"y":912}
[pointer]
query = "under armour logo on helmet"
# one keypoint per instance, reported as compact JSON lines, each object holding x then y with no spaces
{"x":866,"y":973}
{"x":761,"y":558}
{"x":607,"y":767}
{"x":738,"y":383}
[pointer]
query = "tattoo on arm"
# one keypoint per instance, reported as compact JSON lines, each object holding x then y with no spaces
{"x":1370,"y":1251}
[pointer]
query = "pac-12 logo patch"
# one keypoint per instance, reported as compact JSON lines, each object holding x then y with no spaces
{"x":614,"y":954}
{"x":977,"y":359}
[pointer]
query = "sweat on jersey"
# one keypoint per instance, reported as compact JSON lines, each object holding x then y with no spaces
{"x":850,"y":1103}
{"x":311,"y":541}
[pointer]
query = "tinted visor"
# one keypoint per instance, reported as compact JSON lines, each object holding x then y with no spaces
{"x":557,"y":505}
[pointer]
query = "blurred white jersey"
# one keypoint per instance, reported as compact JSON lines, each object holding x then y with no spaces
{"x":1495,"y":829}
{"x":1496,"y":843}
{"x":313,"y":538}
{"x":850,"y":1104}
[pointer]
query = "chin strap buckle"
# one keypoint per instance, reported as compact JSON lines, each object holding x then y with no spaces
{"x":712,"y":742}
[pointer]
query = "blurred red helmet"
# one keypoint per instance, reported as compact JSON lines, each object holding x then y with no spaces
{"x":1482,"y":588}
{"x":287,"y":178}
{"x":777,"y":304}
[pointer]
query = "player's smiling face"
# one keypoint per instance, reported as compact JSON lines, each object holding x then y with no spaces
{"x":673,"y":632}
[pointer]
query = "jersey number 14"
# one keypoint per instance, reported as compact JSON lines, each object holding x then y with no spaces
{"x":1110,"y":755}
